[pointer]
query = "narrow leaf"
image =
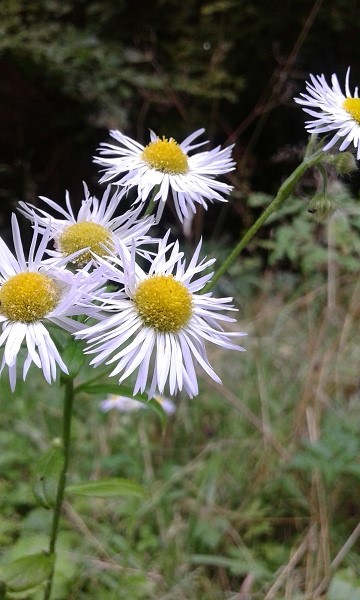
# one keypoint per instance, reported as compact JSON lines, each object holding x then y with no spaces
{"x":107,"y":488}
{"x":122,"y":390}
{"x":156,"y":406}
{"x":112,"y":388}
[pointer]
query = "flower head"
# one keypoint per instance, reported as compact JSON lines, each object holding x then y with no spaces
{"x":33,"y":293}
{"x":158,"y":323}
{"x":333,"y":110}
{"x":93,"y":229}
{"x":167,"y":166}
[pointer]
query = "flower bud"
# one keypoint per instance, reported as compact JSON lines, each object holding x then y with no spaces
{"x":322,"y":207}
{"x":343,"y":163}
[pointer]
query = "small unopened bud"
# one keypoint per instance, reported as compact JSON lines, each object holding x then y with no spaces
{"x":343,"y":163}
{"x":57,"y":443}
{"x":322,"y":207}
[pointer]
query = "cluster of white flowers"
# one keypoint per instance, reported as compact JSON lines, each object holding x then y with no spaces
{"x":149,"y":323}
{"x":83,"y":273}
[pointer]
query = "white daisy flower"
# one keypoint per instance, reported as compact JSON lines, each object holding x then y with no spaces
{"x":94,"y":227}
{"x":160,"y":315}
{"x":33,"y":294}
{"x":125,"y":404}
{"x":333,"y":110}
{"x":166,"y":166}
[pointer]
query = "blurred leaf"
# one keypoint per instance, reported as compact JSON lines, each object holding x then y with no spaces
{"x":107,"y":488}
{"x":122,"y":390}
{"x":2,"y":590}
{"x":65,"y":566}
{"x":74,"y":358}
{"x":238,"y":566}
{"x":47,"y":477}
{"x":26,"y":572}
{"x":111,"y":388}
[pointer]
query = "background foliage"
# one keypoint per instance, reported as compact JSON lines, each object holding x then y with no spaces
{"x":253,"y":486}
{"x":72,"y":69}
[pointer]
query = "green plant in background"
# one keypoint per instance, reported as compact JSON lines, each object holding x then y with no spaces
{"x":74,"y":69}
{"x":300,"y":239}
{"x":150,"y":325}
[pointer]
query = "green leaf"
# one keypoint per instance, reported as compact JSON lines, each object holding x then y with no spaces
{"x":26,"y":572}
{"x":74,"y":358}
{"x":111,"y":388}
{"x":107,"y":488}
{"x":47,"y":477}
{"x":123,"y":390}
{"x":156,"y":406}
{"x":217,"y":561}
{"x":239,"y":565}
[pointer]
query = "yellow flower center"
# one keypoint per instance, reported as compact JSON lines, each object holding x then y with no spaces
{"x":352,"y":106}
{"x":166,"y":156}
{"x":85,"y":235}
{"x":163,"y":303}
{"x":28,"y":297}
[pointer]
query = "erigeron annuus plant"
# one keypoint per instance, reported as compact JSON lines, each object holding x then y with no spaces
{"x":333,"y":111}
{"x":94,"y":229}
{"x":168,"y":168}
{"x":149,"y":327}
{"x":159,"y":316}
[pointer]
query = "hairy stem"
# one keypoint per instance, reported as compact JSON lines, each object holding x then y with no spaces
{"x":67,"y":414}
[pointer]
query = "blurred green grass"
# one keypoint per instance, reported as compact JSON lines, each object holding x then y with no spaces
{"x":253,"y":486}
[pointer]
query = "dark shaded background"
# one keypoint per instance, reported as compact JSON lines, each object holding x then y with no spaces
{"x":70,"y":70}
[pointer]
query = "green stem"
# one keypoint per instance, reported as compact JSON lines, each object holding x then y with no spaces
{"x":150,"y":208}
{"x":323,"y":178}
{"x":67,"y":414}
{"x":152,"y":205}
{"x":284,"y":192}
